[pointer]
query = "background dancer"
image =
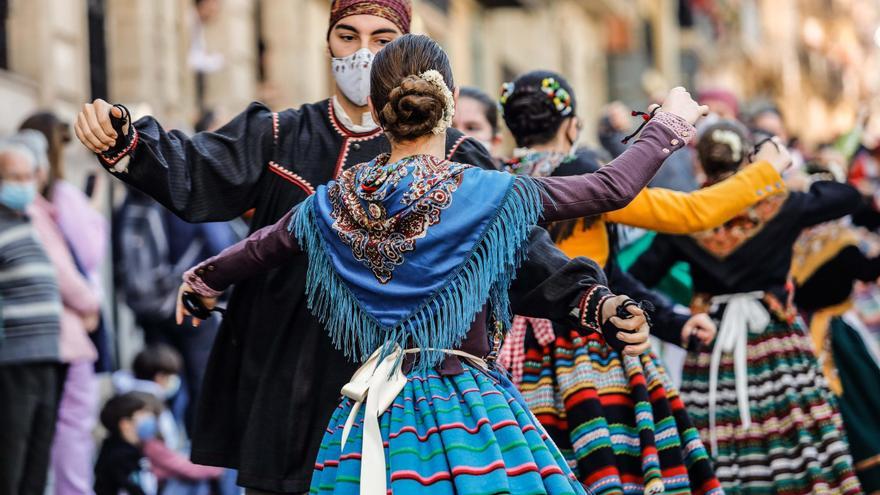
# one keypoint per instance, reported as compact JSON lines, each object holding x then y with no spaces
{"x":757,"y":396}
{"x":592,"y":400}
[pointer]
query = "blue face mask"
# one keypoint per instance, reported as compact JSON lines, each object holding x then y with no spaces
{"x":17,"y":195}
{"x":147,"y":427}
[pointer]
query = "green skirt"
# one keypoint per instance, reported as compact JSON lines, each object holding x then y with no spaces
{"x":860,"y":403}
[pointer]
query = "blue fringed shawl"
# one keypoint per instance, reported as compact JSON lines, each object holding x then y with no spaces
{"x":397,"y":256}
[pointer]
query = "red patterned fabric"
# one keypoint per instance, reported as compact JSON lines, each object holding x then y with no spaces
{"x":512,"y":352}
{"x":397,"y":11}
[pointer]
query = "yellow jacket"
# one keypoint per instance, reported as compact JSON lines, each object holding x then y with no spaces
{"x":674,"y":212}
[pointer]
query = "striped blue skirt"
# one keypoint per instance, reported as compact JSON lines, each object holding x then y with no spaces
{"x":467,"y":434}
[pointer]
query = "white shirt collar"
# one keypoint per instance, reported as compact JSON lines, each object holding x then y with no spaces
{"x":368,"y":125}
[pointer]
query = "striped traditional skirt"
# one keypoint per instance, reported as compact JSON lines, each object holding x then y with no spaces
{"x":619,"y":423}
{"x":463,"y":434}
{"x":795,"y":443}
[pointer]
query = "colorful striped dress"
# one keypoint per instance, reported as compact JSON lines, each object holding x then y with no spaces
{"x":619,"y":421}
{"x":757,"y":396}
{"x":462,"y":434}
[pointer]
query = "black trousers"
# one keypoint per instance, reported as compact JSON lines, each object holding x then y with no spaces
{"x":29,"y":396}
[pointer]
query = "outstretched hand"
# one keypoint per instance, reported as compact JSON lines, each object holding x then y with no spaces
{"x":93,"y":126}
{"x":679,"y":102}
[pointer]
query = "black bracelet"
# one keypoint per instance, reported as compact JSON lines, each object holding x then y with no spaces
{"x":645,"y":118}
{"x":118,"y":124}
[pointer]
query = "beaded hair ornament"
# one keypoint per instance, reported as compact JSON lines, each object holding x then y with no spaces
{"x":434,"y":78}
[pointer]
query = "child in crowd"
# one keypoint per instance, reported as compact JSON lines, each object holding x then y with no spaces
{"x":122,"y":466}
{"x":155,"y":371}
{"x":155,"y":375}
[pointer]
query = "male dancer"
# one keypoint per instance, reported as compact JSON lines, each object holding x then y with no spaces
{"x":274,"y":378}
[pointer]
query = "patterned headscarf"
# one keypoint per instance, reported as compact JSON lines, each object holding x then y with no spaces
{"x":397,"y":11}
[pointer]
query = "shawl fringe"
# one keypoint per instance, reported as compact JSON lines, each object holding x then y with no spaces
{"x":444,"y":319}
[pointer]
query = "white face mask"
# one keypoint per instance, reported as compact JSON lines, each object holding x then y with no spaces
{"x":352,"y":74}
{"x":172,"y":387}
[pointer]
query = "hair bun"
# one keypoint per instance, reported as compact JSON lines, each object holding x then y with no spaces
{"x":530,"y":114}
{"x":414,"y":108}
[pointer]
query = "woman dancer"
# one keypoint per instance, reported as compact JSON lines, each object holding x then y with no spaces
{"x":757,"y":396}
{"x":618,"y":420}
{"x":826,"y":262}
{"x":410,"y":257}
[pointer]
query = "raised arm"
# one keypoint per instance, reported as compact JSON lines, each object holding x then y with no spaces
{"x":262,"y":251}
{"x":209,"y":176}
{"x":674,"y":212}
{"x":616,"y":184}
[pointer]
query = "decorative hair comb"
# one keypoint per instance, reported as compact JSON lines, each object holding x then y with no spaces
{"x":558,"y":95}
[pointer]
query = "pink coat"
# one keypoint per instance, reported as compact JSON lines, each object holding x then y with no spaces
{"x":77,"y":295}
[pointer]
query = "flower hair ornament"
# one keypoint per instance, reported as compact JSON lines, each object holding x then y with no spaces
{"x":732,"y":140}
{"x":506,"y":90}
{"x":558,"y":96}
{"x":435,"y":78}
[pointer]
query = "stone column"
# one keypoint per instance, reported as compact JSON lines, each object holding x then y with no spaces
{"x":296,"y":60}
{"x":146,"y":45}
{"x":48,"y":45}
{"x":233,"y":34}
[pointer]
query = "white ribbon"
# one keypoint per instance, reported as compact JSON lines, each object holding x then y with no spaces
{"x":380,"y":383}
{"x":744,"y":313}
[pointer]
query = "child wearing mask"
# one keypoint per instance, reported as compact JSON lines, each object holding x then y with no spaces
{"x":155,"y":371}
{"x":122,"y":467}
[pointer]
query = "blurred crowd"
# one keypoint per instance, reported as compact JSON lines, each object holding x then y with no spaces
{"x":57,"y":343}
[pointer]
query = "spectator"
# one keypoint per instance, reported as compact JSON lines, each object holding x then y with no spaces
{"x":30,"y":379}
{"x":78,"y":217}
{"x":156,"y":371}
{"x":73,"y":446}
{"x":476,"y":115}
{"x":121,"y":467}
{"x":176,"y":474}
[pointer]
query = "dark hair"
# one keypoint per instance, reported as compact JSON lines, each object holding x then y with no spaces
{"x":154,"y":359}
{"x":530,"y":113}
{"x":120,"y":407}
{"x":57,"y":134}
{"x":717,"y":153}
{"x":408,"y":106}
{"x":490,"y":106}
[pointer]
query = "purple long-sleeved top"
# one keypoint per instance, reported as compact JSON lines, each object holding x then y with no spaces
{"x":610,"y":188}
